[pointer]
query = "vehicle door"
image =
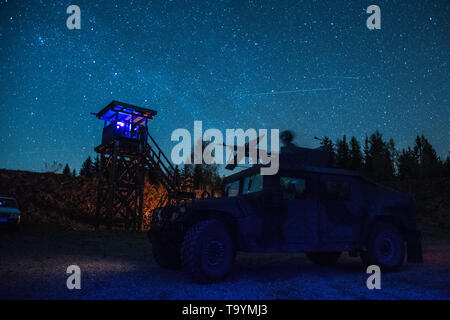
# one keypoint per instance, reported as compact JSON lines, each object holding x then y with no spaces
{"x":299,"y":208}
{"x":337,"y":214}
{"x":255,"y":203}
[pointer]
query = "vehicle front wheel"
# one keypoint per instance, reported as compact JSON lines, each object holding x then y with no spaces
{"x":207,"y":252}
{"x":385,"y":247}
{"x":166,"y":255}
{"x":323,"y":258}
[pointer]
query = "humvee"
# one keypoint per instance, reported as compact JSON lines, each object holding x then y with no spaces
{"x":306,"y":207}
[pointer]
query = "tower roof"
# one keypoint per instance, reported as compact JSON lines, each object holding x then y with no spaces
{"x":123,"y":110}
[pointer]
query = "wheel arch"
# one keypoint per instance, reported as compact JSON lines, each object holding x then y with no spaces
{"x":396,"y":220}
{"x":225,"y":217}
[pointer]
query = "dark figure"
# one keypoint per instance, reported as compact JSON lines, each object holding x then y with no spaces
{"x":286,"y":138}
{"x":141,"y":134}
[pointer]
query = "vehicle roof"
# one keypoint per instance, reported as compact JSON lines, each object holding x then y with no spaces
{"x":256,"y":169}
{"x":10,"y":198}
{"x":295,"y":158}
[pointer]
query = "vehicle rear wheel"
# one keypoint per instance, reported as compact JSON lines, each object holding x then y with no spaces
{"x":207,"y":252}
{"x":323,"y":258}
{"x":166,"y":255}
{"x":385,"y":247}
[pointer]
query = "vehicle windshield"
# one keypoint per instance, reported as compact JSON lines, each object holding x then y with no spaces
{"x":8,"y":203}
{"x":252,"y":184}
{"x":232,"y":189}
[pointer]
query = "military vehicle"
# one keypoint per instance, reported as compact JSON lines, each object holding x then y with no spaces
{"x":306,"y":207}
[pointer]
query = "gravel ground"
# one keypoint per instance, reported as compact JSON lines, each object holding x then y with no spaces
{"x":119,"y":265}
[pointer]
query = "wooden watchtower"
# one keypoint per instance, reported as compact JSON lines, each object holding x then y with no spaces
{"x":128,"y":155}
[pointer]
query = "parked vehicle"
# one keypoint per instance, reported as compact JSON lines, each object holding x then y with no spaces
{"x":9,"y":213}
{"x":303,"y":208}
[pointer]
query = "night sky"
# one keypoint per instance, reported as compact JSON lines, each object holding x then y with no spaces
{"x":309,"y":66}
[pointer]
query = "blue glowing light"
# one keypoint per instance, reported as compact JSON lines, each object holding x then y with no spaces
{"x":120,"y":124}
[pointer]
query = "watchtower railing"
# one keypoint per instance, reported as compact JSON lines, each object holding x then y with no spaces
{"x":159,"y":160}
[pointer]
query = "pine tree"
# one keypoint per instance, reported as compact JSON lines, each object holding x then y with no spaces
{"x":327,"y":146}
{"x":66,"y":170}
{"x":74,"y":173}
{"x":342,"y":153}
{"x":96,"y":166}
{"x":429,"y":164}
{"x":408,"y":164}
{"x":379,"y":158}
{"x":87,"y":168}
{"x":187,"y":170}
{"x":356,"y":157}
{"x":198,"y":176}
{"x":447,"y":166}
{"x":393,"y":154}
{"x":367,"y":158}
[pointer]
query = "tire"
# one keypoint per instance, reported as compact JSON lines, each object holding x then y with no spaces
{"x":324,"y":258}
{"x":166,"y":256}
{"x":207,"y":252}
{"x":385,"y":247}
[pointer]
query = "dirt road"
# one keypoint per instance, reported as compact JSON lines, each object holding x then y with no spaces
{"x":119,"y":265}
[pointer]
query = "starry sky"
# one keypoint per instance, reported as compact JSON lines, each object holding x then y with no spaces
{"x":309,"y":66}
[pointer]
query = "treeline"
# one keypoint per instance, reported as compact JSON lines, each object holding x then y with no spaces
{"x":90,"y":168}
{"x":381,"y":160}
{"x":376,"y":157}
{"x":202,"y":176}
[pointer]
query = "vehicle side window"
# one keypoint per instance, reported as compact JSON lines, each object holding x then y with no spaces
{"x":338,"y":190}
{"x":252,"y":184}
{"x":232,"y":189}
{"x":293,"y":188}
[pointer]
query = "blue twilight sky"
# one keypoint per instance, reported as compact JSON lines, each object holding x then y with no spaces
{"x":309,"y":66}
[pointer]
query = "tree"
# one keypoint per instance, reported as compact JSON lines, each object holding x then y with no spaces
{"x":447,"y":167}
{"x":54,"y":167}
{"x":429,"y":164}
{"x":198,"y":176}
{"x":342,"y":153}
{"x":204,"y":176}
{"x":187,"y":171}
{"x":87,"y":168}
{"x":66,"y":170}
{"x":379,"y":160}
{"x":393,"y":153}
{"x":96,"y":166}
{"x":408,"y":164}
{"x":74,"y":173}
{"x":327,"y":146}
{"x":367,"y":159}
{"x":356,"y":157}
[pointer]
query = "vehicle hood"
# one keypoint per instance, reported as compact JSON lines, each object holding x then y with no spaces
{"x":9,"y":210}
{"x":214,"y":204}
{"x":391,"y":198}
